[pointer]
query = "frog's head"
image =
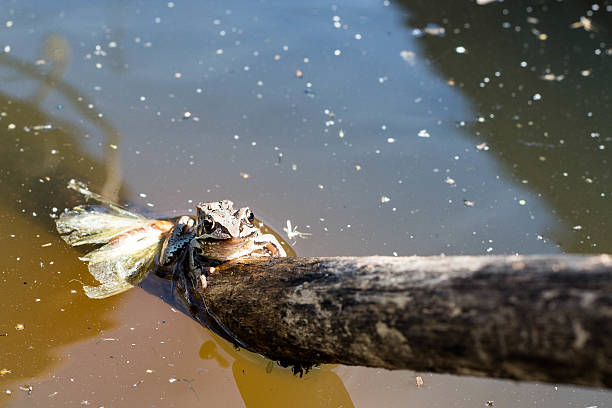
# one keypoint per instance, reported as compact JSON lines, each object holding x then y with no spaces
{"x":224,"y":233}
{"x":218,"y":220}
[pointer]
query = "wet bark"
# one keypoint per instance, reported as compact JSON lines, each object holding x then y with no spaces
{"x":535,"y":318}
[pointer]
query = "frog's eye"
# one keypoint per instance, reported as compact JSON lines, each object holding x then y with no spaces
{"x":208,"y":223}
{"x":249,"y":215}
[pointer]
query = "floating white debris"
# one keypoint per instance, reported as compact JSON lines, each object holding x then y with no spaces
{"x":484,"y":2}
{"x":408,"y":56}
{"x":385,"y":199}
{"x":449,"y":180}
{"x":423,"y":133}
{"x":522,"y":202}
{"x":482,"y":146}
{"x":577,"y":227}
{"x":584,"y":22}
{"x":553,"y":77}
{"x":460,"y":50}
{"x":42,"y":127}
{"x":390,"y":140}
{"x":435,"y":30}
{"x":536,"y":97}
{"x":292,"y":232}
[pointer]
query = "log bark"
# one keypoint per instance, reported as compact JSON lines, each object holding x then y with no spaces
{"x":530,"y":318}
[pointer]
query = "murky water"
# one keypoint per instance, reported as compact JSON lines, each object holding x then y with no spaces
{"x":378,"y":127}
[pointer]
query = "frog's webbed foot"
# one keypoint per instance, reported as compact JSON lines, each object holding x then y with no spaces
{"x":269,"y":246}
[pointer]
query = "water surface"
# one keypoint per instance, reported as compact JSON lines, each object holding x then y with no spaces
{"x":390,"y":128}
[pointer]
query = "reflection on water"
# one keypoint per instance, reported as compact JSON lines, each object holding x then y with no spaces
{"x":541,"y":91}
{"x":489,"y":136}
{"x":261,"y":383}
{"x":39,"y":153}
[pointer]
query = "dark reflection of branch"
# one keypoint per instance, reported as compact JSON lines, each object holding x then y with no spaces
{"x":37,"y":161}
{"x":553,"y":144}
{"x":57,"y":48}
{"x":57,"y":51}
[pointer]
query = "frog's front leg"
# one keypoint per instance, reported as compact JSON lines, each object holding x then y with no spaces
{"x":269,"y":247}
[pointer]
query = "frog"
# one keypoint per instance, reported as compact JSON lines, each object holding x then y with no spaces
{"x":132,"y":245}
{"x":219,"y":233}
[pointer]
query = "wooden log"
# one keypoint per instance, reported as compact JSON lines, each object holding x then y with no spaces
{"x":530,"y":318}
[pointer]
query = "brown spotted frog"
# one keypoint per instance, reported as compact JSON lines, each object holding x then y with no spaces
{"x":219,"y":233}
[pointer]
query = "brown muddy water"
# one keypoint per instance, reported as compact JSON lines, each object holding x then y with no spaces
{"x":379,"y":127}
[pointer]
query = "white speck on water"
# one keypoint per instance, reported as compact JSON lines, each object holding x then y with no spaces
{"x":423,"y":133}
{"x":9,"y":24}
{"x":577,"y":227}
{"x":522,"y":202}
{"x":449,"y":180}
{"x":358,"y":36}
{"x":390,"y":140}
{"x":150,"y":205}
{"x":337,"y":52}
{"x":536,"y":97}
{"x":143,"y":98}
{"x":7,"y":49}
{"x":170,"y":4}
{"x":385,"y":199}
{"x":460,"y":50}
{"x":171,"y":380}
{"x":142,"y":195}
{"x":408,"y":56}
{"x":112,"y":44}
{"x":178,"y":75}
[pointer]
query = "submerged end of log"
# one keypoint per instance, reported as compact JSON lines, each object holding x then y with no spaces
{"x":531,"y":318}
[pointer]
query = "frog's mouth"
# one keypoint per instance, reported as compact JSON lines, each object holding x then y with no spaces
{"x":226,"y":249}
